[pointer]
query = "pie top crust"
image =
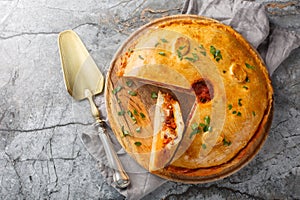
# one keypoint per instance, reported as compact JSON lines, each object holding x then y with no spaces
{"x":220,"y":82}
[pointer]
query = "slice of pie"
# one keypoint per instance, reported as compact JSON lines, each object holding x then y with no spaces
{"x":168,"y":130}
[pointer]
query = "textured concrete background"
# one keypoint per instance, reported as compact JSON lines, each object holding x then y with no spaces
{"x":41,"y":155}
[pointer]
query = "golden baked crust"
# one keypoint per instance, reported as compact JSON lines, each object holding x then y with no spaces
{"x":222,"y":86}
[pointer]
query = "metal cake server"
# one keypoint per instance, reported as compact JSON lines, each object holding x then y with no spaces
{"x":84,"y":80}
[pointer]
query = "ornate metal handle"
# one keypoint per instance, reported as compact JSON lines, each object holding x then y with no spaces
{"x":120,"y":177}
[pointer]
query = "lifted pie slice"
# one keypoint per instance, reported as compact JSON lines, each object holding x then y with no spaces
{"x":168,"y":130}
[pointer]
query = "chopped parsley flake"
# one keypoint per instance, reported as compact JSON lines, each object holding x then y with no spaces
{"x":226,"y":142}
{"x":141,"y":57}
{"x":179,"y":54}
{"x":194,"y":132}
{"x":181,"y":47}
{"x":245,"y":87}
{"x":253,"y":113}
{"x":203,"y":52}
{"x":207,"y":120}
{"x":189,"y":59}
{"x":216,"y":53}
{"x":121,"y":113}
{"x":229,"y":106}
{"x":138,"y":144}
{"x":162,"y":53}
{"x":203,"y":146}
{"x":138,"y":129}
{"x":164,"y":40}
{"x":194,"y":126}
{"x":195,"y":56}
{"x":239,"y":102}
{"x":135,"y":112}
{"x":239,"y":114}
{"x":154,"y":95}
{"x":249,"y":66}
{"x":129,"y":83}
{"x":131,"y":116}
{"x":132,"y":93}
{"x":234,"y":112}
{"x":117,"y":89}
{"x":125,"y":132}
{"x":247,"y":80}
{"x":142,"y":115}
{"x":194,"y":59}
{"x":205,"y":127}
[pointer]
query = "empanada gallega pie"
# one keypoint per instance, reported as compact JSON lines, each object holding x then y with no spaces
{"x":189,"y":99}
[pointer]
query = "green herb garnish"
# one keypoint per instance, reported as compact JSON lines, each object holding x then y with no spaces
{"x":216,"y":53}
{"x":162,"y":53}
{"x":229,"y":106}
{"x":141,"y":57}
{"x":181,"y":47}
{"x":129,"y":113}
{"x":138,"y":144}
{"x":247,"y":80}
{"x":138,"y":129}
{"x":157,"y":44}
{"x":129,"y":83}
{"x":142,"y":115}
{"x":205,"y":126}
{"x":154,"y":95}
{"x":164,"y":40}
{"x":135,"y":112}
{"x":202,"y":125}
{"x":195,"y":56}
{"x":245,"y":87}
{"x":253,"y":113}
{"x":179,"y":54}
{"x":239,"y":102}
{"x":131,"y":116}
{"x":226,"y":142}
{"x":194,"y":126}
{"x":207,"y":120}
{"x":234,"y":112}
{"x":117,"y":89}
{"x":132,"y":93}
{"x":189,"y":59}
{"x":202,"y":48}
{"x":194,"y":132}
{"x":249,"y":66}
{"x":194,"y":59}
{"x":203,"y":146}
{"x":239,"y":114}
{"x":125,"y":133}
{"x":121,"y":113}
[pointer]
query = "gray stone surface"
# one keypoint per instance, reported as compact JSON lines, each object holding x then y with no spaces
{"x":41,"y":155}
